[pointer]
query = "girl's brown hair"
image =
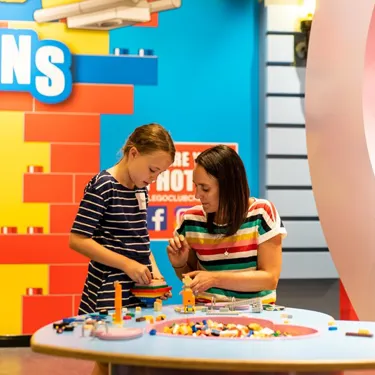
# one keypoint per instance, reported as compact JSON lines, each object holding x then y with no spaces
{"x":150,"y":138}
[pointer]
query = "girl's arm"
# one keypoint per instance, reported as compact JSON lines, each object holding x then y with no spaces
{"x":93,"y":250}
{"x":155,"y":269}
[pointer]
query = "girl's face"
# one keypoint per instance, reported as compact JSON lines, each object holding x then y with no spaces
{"x":207,"y":189}
{"x":145,"y":168}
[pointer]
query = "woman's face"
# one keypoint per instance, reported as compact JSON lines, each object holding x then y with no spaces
{"x":207,"y":189}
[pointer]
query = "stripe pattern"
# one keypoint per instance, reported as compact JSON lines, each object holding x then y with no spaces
{"x":115,"y":217}
{"x":235,"y":253}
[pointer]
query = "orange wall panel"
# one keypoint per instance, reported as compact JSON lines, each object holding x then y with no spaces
{"x":80,"y":182}
{"x":62,"y":127}
{"x":103,"y":99}
{"x":15,"y":101}
{"x":47,"y":187}
{"x":76,"y":302}
{"x":39,"y":311}
{"x":73,"y":158}
{"x":67,"y":279}
{"x":61,"y":217}
{"x":38,"y":249}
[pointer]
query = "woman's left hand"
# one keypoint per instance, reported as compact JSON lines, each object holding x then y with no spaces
{"x":166,"y":296}
{"x":202,"y":280}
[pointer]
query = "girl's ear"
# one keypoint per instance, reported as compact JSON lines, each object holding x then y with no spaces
{"x":133,"y":153}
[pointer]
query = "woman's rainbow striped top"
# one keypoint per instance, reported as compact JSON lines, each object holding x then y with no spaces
{"x":238,"y":252}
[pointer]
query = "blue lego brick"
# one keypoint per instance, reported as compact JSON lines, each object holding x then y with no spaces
{"x":125,"y":70}
{"x":19,"y":11}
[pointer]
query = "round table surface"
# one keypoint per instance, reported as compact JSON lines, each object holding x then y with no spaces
{"x":326,"y":351}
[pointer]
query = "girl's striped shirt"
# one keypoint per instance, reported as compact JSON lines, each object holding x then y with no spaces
{"x":238,"y":252}
{"x":115,"y":217}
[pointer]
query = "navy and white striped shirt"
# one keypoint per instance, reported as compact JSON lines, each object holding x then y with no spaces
{"x":115,"y":217}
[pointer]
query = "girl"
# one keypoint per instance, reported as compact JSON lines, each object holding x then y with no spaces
{"x":111,"y":227}
{"x":231,"y":244}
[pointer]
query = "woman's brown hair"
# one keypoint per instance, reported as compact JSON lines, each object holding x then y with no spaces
{"x":223,"y":163}
{"x":150,"y":138}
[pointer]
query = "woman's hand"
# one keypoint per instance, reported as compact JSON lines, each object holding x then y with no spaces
{"x":178,"y":251}
{"x":202,"y":280}
{"x":166,"y":296}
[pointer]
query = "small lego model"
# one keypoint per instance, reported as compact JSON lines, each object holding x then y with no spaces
{"x":188,"y":298}
{"x":149,"y":294}
{"x":256,"y":306}
{"x":117,"y":318}
{"x":360,"y":333}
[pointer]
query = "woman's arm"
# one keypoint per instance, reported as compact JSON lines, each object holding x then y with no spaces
{"x":191,"y":265}
{"x":266,"y":277}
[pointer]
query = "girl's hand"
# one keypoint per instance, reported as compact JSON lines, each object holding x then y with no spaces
{"x":202,"y":280}
{"x":137,"y":272}
{"x":178,"y":251}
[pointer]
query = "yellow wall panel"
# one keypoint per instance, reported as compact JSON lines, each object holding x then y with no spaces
{"x":78,"y":41}
{"x":15,"y":156}
{"x":14,"y":279}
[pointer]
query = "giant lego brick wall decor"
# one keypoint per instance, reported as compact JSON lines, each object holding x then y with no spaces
{"x":50,"y":153}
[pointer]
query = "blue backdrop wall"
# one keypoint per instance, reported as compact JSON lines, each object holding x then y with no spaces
{"x":207,"y":87}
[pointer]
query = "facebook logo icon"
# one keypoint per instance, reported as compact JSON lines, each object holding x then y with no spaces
{"x":157,"y":218}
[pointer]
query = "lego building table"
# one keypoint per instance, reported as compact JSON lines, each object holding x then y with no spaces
{"x":327,"y":351}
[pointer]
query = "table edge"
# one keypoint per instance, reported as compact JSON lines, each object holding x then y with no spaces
{"x":200,"y":364}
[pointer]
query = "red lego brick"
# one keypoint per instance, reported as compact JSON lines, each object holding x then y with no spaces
{"x":80,"y":182}
{"x":38,"y":249}
{"x":39,"y":311}
{"x":89,"y":98}
{"x":8,"y":230}
{"x":72,"y":158}
{"x":76,"y":303}
{"x":15,"y":101}
{"x":61,"y":217}
{"x":66,"y":127}
{"x":154,"y":22}
{"x":67,"y":279}
{"x":47,"y":188}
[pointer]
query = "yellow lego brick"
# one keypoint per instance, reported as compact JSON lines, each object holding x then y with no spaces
{"x":15,"y":156}
{"x":14,"y":279}
{"x":56,"y":3}
{"x":78,"y":41}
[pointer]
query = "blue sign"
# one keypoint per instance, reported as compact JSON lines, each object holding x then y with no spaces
{"x":41,"y":67}
{"x":157,"y":218}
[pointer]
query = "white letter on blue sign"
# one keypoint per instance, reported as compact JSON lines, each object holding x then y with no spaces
{"x":52,"y":83}
{"x":16,"y":59}
{"x":39,"y":67}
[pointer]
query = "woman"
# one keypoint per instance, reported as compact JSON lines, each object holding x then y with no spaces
{"x":230,"y":245}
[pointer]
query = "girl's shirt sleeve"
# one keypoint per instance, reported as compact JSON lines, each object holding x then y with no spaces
{"x":90,"y":212}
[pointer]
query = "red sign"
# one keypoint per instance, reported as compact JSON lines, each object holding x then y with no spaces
{"x":174,"y":191}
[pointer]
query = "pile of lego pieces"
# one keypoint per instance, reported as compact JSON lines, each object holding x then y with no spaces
{"x":211,"y":328}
